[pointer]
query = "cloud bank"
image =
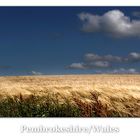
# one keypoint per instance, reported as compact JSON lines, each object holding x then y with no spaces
{"x":119,"y":71}
{"x":95,"y":61}
{"x":131,"y":57}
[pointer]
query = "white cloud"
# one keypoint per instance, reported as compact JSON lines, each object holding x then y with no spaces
{"x":91,"y":65}
{"x":36,"y":73}
{"x":95,"y":61}
{"x":77,"y":66}
{"x":134,"y":56}
{"x":131,"y":57}
{"x":132,"y":70}
{"x":124,"y":71}
{"x":119,"y":71}
{"x":92,"y":57}
{"x":96,"y":57}
{"x":113,"y":22}
{"x":98,"y":64}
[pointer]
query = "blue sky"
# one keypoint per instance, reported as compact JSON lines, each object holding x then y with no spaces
{"x":69,"y":40}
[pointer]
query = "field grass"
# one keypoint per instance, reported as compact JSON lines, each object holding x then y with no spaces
{"x":70,"y":96}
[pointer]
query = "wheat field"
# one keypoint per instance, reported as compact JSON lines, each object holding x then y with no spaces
{"x":81,"y":95}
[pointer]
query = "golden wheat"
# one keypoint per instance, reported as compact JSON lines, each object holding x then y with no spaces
{"x":119,"y":93}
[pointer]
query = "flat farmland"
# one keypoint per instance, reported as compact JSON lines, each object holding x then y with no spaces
{"x":70,"y":96}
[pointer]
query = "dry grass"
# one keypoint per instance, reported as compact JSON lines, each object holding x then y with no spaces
{"x":93,"y":95}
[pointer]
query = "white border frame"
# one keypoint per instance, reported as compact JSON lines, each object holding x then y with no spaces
{"x":69,"y":2}
{"x":10,"y":128}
